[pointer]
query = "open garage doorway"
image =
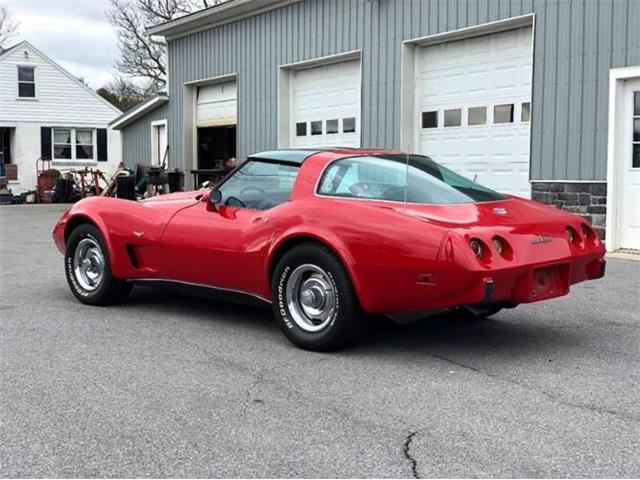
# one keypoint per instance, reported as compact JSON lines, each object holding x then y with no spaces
{"x":216,"y":145}
{"x":216,"y":130}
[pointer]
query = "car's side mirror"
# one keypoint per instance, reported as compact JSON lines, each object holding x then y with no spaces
{"x":213,"y":199}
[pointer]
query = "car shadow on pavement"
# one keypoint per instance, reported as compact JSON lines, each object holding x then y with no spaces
{"x":458,"y":332}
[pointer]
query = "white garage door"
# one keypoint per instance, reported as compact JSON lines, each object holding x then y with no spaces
{"x":325,"y":106}
{"x":217,"y":105}
{"x":473,"y":101}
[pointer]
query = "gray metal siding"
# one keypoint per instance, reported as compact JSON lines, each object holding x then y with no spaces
{"x":136,"y":138}
{"x":576,"y":43}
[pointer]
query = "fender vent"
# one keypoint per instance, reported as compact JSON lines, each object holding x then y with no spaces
{"x":131,"y":251}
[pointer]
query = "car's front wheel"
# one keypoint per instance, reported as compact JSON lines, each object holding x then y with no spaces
{"x":88,"y":269}
{"x":314,"y":301}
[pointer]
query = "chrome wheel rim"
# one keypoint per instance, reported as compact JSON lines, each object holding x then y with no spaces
{"x":311,"y":297}
{"x":88,"y":264}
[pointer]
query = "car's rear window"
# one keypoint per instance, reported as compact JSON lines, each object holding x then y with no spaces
{"x":411,"y":178}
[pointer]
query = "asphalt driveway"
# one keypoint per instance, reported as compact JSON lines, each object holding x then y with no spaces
{"x":177,"y":386}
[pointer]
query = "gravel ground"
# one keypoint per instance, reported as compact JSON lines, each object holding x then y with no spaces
{"x":182,"y":387}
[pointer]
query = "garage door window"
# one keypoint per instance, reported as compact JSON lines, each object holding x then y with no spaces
{"x":430,"y":119}
{"x":453,"y":118}
{"x":332,"y":126}
{"x":477,"y":115}
{"x":316,"y":127}
{"x":503,"y":113}
{"x":301,"y":129}
{"x":348,"y":125}
{"x":525,"y":115}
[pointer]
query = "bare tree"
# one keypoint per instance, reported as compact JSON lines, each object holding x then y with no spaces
{"x":123,"y":93}
{"x":8,"y":27}
{"x":140,"y":56}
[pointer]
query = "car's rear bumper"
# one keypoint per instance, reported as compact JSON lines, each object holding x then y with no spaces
{"x":452,"y":287}
{"x":533,"y":283}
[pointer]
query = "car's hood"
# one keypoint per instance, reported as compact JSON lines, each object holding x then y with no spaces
{"x":187,"y":197}
{"x":513,"y":211}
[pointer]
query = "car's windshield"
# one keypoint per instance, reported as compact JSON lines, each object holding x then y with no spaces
{"x":259,"y":185}
{"x":414,"y":178}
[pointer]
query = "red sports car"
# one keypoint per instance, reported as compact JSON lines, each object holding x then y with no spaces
{"x":327,"y":236}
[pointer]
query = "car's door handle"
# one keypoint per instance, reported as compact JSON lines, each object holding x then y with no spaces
{"x":260,"y":220}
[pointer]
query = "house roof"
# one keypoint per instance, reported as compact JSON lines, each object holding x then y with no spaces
{"x":216,"y":15}
{"x":26,"y":44}
{"x":139,"y":111}
{"x":5,"y":51}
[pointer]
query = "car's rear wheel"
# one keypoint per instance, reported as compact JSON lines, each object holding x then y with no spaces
{"x":314,"y":301}
{"x":88,"y":269}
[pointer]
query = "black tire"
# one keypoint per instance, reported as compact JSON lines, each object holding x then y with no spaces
{"x":109,"y":290}
{"x":347,"y":321}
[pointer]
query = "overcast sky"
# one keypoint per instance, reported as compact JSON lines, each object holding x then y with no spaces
{"x":75,"y":33}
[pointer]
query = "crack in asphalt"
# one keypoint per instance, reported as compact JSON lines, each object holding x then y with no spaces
{"x":555,"y":398}
{"x":256,"y":381}
{"x":406,"y":450}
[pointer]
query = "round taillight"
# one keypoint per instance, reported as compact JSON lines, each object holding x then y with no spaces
{"x":585,"y":231}
{"x":574,"y":237}
{"x":476,"y":248}
{"x":498,"y":244}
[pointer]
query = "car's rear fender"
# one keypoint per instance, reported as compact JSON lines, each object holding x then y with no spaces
{"x":296,"y":236}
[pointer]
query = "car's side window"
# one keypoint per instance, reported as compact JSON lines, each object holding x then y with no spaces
{"x":397,"y":178}
{"x":365,"y":177}
{"x":259,"y":185}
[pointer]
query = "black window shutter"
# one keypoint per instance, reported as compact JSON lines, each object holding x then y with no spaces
{"x":102,"y":144}
{"x":45,"y":142}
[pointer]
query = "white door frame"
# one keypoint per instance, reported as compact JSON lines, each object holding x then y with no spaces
{"x":617,"y":76}
{"x":189,"y":130}
{"x":154,"y":141}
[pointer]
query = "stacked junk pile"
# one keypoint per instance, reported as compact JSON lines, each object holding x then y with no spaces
{"x":54,"y":186}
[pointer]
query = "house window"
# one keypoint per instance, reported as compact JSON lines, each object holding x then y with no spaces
{"x":26,"y":82}
{"x":62,"y":144}
{"x":73,"y":144}
{"x":84,"y":144}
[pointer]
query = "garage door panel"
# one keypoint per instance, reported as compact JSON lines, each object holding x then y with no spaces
{"x":319,"y":94}
{"x":479,"y":72}
{"x":217,"y":105}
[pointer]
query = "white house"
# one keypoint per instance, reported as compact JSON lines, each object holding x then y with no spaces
{"x":46,"y":112}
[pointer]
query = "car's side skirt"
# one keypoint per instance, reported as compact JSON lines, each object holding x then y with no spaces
{"x":203,"y":290}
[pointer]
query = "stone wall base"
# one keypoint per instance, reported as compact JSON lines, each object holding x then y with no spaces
{"x":589,"y":200}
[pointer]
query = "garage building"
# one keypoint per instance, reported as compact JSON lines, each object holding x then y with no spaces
{"x":534,"y":98}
